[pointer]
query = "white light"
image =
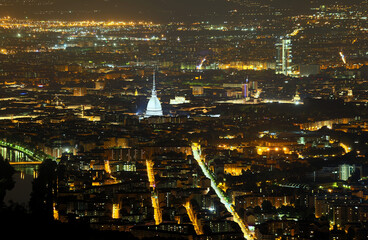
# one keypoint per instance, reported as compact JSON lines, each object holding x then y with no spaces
{"x":343,"y":57}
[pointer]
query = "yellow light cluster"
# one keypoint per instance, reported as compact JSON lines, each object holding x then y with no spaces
{"x":115,"y":211}
{"x":261,"y":150}
{"x":9,"y":23}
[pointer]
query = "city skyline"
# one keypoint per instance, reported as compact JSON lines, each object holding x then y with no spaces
{"x":161,"y":11}
{"x":190,"y":120}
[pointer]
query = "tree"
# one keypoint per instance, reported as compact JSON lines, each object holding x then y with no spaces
{"x":355,"y":177}
{"x":257,"y":209}
{"x":267,"y":206}
{"x":6,"y":178}
{"x":44,"y":191}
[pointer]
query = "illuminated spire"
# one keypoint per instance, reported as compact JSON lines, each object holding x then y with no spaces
{"x":154,"y":85}
{"x":154,"y":106}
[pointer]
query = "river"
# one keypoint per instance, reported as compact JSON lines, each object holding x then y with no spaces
{"x":23,"y":178}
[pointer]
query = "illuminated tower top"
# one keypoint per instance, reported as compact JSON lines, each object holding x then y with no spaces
{"x":154,"y":106}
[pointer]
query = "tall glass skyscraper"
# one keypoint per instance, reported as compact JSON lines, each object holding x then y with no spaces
{"x":284,"y":56}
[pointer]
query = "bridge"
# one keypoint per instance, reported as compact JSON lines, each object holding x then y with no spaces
{"x":32,"y":156}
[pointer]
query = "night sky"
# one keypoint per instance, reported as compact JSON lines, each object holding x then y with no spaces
{"x":152,"y":10}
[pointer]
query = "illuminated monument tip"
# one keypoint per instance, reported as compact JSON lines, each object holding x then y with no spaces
{"x":154,"y":106}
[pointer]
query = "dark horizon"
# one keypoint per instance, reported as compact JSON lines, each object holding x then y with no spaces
{"x":145,"y":10}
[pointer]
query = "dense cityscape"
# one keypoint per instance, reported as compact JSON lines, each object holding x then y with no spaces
{"x":215,"y":120}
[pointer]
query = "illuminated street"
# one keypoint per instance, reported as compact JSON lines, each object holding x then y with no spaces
{"x":196,"y":149}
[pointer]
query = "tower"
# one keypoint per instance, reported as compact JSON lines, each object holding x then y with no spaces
{"x":346,"y":170}
{"x":245,"y":89}
{"x":284,"y":56}
{"x":154,"y":106}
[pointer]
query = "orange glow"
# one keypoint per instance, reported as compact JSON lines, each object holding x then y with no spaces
{"x":193,"y":218}
{"x":115,"y":211}
{"x":154,"y":195}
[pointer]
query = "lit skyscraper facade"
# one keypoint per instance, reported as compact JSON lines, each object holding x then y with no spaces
{"x":346,"y":170}
{"x":284,"y":56}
